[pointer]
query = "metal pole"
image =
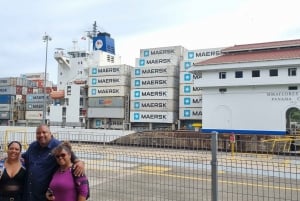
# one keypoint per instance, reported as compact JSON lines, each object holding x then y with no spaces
{"x":214,"y":166}
{"x":46,"y":39}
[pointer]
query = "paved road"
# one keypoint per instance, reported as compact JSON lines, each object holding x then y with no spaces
{"x":132,"y":173}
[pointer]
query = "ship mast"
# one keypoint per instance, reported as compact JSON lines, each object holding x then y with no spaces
{"x":92,"y":34}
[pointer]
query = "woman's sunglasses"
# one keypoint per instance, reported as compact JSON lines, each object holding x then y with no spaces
{"x":60,"y":155}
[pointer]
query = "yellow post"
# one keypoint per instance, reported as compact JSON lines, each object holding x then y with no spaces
{"x":232,"y":148}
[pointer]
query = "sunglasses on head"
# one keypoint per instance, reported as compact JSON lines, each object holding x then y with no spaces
{"x":60,"y":155}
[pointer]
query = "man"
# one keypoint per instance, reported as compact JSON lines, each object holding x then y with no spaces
{"x":41,"y":164}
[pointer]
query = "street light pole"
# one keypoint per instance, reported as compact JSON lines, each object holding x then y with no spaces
{"x":46,"y":38}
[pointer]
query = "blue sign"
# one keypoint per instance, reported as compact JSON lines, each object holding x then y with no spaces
{"x":146,"y":53}
{"x":187,"y":77}
{"x":94,"y":70}
{"x":137,"y":71}
{"x":186,"y":113}
{"x":187,"y":101}
{"x":136,"y":116}
{"x":191,"y":55}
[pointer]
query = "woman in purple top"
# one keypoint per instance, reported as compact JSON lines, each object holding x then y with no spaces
{"x":64,"y":186}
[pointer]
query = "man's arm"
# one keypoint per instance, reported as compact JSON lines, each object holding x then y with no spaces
{"x":78,"y":165}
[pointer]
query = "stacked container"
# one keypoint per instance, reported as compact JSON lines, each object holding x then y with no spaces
{"x":35,"y":106}
{"x":190,"y":97}
{"x":154,"y":87}
{"x":12,"y":95}
{"x":108,"y":95}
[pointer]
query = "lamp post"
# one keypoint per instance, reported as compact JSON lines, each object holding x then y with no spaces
{"x":46,"y":39}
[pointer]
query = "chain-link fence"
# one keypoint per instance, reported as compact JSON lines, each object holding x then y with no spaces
{"x":151,"y":167}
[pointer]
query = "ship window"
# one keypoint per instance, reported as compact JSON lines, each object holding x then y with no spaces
{"x":222,"y":75}
{"x":293,"y":88}
{"x":238,"y":74}
{"x":273,"y":72}
{"x":292,"y":71}
{"x":255,"y":73}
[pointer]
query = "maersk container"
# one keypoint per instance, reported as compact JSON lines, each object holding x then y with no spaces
{"x":106,"y":102}
{"x":7,"y":99}
{"x":5,"y":107}
{"x":190,"y":113}
{"x":190,"y":101}
{"x":4,"y":115}
{"x":158,"y":71}
{"x":202,"y":54}
{"x":106,"y":113}
{"x":163,"y":60}
{"x":34,"y":115}
{"x":155,"y":82}
{"x":154,"y":105}
{"x":5,"y":90}
{"x":186,"y":77}
{"x":155,"y":94}
{"x":110,"y":70}
{"x":36,"y":97}
{"x":153,"y":117}
{"x":106,"y":81}
{"x":189,"y":90}
{"x":108,"y":91}
{"x":35,"y":106}
{"x":157,"y":52}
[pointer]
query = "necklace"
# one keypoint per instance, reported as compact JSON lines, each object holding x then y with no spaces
{"x":63,"y":169}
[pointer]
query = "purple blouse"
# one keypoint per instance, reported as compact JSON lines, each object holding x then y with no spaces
{"x":64,"y":188}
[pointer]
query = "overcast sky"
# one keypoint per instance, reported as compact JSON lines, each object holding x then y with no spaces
{"x":135,"y":25}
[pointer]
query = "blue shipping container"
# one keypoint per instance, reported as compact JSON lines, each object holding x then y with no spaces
{"x":5,"y":99}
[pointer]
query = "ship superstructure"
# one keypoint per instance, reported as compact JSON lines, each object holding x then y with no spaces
{"x":70,"y":104}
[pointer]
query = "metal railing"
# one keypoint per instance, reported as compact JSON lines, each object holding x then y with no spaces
{"x":152,"y":167}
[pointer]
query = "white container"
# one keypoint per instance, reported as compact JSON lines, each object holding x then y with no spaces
{"x":11,"y":81}
{"x":158,"y":71}
{"x":4,"y":90}
{"x":108,"y":91}
{"x":36,"y":97}
{"x":35,"y":106}
{"x":34,"y":76}
{"x":4,"y":115}
{"x":155,"y":82}
{"x":37,"y":115}
{"x":155,"y":94}
{"x":154,"y":117}
{"x":171,"y":50}
{"x":190,"y":113}
{"x":106,"y":113}
{"x":164,"y":60}
{"x":4,"y":107}
{"x":106,"y":102}
{"x":106,"y":81}
{"x":202,"y":54}
{"x":154,"y":105}
{"x":189,"y":90}
{"x":190,"y":101}
{"x":110,"y":70}
{"x":187,"y":77}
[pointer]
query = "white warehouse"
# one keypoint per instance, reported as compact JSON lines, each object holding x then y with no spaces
{"x":251,"y":89}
